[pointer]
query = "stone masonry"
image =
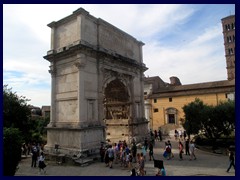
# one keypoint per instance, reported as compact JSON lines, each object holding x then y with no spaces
{"x":97,"y":84}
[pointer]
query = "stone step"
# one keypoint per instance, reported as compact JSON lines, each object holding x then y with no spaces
{"x":84,"y":162}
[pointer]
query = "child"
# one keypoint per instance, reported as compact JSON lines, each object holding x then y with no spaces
{"x":161,"y":172}
{"x":42,"y":165}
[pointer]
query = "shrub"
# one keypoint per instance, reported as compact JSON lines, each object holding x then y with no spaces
{"x":12,"y":142}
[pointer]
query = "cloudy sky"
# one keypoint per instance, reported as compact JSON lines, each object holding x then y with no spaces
{"x":183,"y":40}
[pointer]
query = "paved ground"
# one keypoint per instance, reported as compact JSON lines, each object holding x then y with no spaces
{"x":207,"y":164}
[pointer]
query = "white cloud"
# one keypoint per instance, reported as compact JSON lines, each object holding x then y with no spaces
{"x":170,"y":50}
{"x":193,"y":62}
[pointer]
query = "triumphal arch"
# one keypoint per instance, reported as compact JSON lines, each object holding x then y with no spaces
{"x":97,"y":84}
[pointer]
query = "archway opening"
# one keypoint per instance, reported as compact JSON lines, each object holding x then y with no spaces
{"x":116,"y":100}
{"x":116,"y":111}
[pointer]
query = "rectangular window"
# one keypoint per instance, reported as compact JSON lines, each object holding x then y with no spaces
{"x":155,"y":110}
{"x":170,"y":99}
{"x":155,"y":100}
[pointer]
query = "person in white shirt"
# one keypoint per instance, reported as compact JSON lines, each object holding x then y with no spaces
{"x":192,"y":150}
{"x":42,"y":164}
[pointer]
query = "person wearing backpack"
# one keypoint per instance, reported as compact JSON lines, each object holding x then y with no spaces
{"x":169,"y":152}
{"x":34,"y":155}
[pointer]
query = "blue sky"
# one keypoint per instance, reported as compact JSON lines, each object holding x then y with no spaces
{"x":183,"y":40}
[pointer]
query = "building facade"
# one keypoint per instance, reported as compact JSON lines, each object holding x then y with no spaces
{"x":165,"y":104}
{"x":97,"y":84}
{"x":228,"y":26}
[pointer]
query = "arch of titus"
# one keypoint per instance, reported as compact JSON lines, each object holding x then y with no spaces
{"x":97,"y":84}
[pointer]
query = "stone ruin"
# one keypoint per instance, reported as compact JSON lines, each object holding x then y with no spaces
{"x":96,"y":85}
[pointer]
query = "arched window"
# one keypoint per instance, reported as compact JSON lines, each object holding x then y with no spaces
{"x":228,"y":27}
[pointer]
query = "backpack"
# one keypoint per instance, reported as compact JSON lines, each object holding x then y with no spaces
{"x":110,"y":153}
{"x":168,"y":149}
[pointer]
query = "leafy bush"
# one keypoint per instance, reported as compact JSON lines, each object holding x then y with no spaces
{"x":12,"y":142}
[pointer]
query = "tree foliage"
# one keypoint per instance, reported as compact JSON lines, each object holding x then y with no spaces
{"x":16,"y":113}
{"x":193,"y":115}
{"x":212,"y":121}
{"x":12,"y":142}
{"x":18,"y":128}
{"x":38,"y":130}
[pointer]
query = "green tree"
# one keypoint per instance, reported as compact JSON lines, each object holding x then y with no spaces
{"x":222,"y":119}
{"x":38,"y":130}
{"x":16,"y":113}
{"x":212,"y":121}
{"x":12,"y":142}
{"x":193,"y":116}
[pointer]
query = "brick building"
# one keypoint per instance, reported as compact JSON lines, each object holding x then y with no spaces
{"x":228,"y":25}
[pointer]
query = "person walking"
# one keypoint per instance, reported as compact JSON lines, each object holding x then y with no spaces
{"x":151,"y":152}
{"x":144,"y":152}
{"x":176,"y":134}
{"x":160,"y":134}
{"x":102,"y":152}
{"x":231,"y":160}
{"x":110,"y":156}
{"x":34,"y":155}
{"x":155,"y":135}
{"x":170,"y":145}
{"x":42,"y":164}
{"x":180,"y":147}
{"x":192,"y":150}
{"x":134,"y":152}
{"x":167,"y":152}
{"x":106,"y":158}
{"x":142,"y":165}
{"x":116,"y":153}
{"x":187,"y":147}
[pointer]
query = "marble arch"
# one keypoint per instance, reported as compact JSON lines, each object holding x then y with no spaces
{"x":88,"y":59}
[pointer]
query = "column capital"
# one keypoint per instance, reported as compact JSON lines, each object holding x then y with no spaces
{"x":80,"y":61}
{"x":52,"y":70}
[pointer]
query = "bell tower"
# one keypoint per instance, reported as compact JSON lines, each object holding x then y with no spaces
{"x":228,"y":25}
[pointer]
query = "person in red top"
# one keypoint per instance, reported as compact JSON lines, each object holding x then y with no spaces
{"x":180,"y":147}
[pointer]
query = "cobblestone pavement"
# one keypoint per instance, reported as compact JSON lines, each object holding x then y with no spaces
{"x":206,"y":164}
